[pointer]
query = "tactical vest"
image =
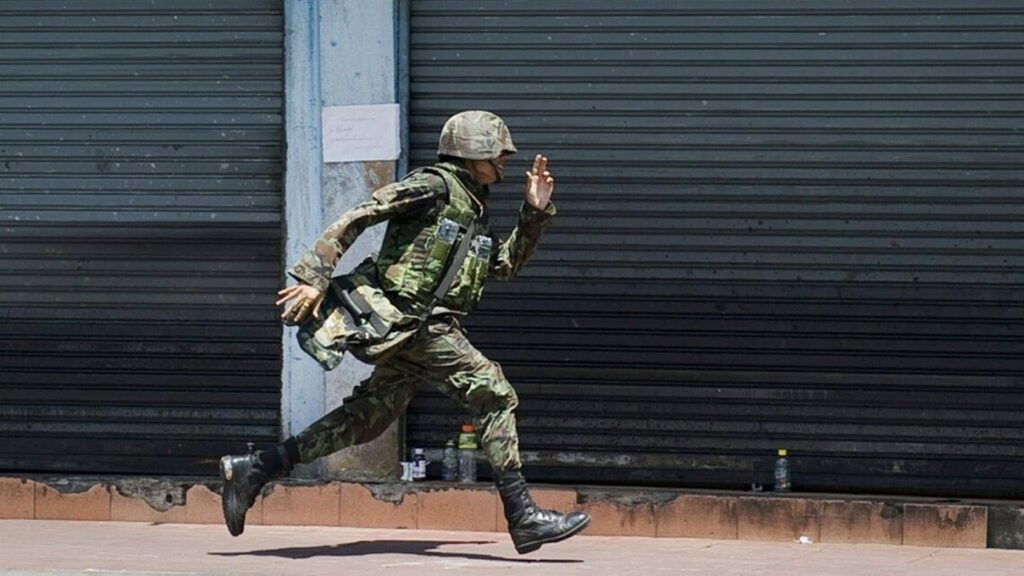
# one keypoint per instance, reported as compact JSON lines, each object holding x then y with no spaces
{"x":414,"y":254}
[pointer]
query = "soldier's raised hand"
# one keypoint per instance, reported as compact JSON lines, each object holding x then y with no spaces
{"x":539,"y":184}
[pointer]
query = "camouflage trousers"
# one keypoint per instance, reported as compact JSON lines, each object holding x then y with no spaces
{"x":440,"y":356}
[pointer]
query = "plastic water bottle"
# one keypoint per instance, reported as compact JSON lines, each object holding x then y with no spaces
{"x":467,"y":454}
{"x":450,"y":462}
{"x":782,"y":472}
{"x":419,"y":464}
{"x":448,"y":231}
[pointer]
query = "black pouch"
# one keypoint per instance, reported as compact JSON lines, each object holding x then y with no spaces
{"x":356,"y":317}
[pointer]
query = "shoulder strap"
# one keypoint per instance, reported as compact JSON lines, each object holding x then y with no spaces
{"x":439,"y":173}
{"x":455,"y":263}
{"x":459,"y":202}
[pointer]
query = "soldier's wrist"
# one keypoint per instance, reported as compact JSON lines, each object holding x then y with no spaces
{"x":531,"y":212}
{"x":306,"y":276}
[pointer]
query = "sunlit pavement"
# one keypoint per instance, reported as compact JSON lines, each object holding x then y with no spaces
{"x":58,"y":548}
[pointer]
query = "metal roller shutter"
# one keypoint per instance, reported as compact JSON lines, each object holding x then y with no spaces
{"x":140,"y":203}
{"x":781,"y":225}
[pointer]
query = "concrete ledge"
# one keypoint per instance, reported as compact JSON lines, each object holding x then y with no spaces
{"x":128,"y":509}
{"x":692,"y":516}
{"x":56,"y":503}
{"x":17,"y":498}
{"x":361,"y":508}
{"x":1006,"y":527}
{"x":945,"y":526}
{"x":861,"y":522}
{"x":779,"y":519}
{"x":663,"y":513}
{"x":286,"y":505}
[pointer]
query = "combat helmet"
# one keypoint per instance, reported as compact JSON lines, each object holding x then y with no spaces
{"x":475,"y":135}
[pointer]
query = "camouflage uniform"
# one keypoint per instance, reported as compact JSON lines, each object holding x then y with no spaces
{"x":440,"y":355}
{"x":417,"y":338}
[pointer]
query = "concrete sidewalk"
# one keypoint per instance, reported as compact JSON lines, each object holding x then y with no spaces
{"x":62,"y":548}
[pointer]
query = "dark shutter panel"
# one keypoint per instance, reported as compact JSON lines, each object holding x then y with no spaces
{"x":792,"y":226}
{"x":140,"y":205}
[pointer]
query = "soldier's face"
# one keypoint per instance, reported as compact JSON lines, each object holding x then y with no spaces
{"x":488,"y":171}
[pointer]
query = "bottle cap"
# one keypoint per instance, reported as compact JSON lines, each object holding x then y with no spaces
{"x":782,"y":452}
{"x":417,"y":450}
{"x":467,"y":427}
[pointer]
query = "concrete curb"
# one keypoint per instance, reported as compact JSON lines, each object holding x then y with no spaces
{"x":616,"y":511}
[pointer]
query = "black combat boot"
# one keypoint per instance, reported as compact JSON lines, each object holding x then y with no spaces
{"x":529,"y":525}
{"x":243,"y":478}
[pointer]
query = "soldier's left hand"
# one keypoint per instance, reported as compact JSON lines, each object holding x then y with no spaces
{"x":540,"y":184}
{"x":307,"y":301}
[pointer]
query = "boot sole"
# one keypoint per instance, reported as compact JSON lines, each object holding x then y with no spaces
{"x":533,"y":546}
{"x":226,"y":472}
{"x":229,"y":499}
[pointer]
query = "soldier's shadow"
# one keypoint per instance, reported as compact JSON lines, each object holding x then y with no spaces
{"x":369,"y":547}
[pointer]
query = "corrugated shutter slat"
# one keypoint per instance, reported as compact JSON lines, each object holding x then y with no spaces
{"x":141,"y":233}
{"x":779,"y":226}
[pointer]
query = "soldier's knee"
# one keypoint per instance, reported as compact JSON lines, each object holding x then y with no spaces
{"x":506,"y":396}
{"x":493,"y":392}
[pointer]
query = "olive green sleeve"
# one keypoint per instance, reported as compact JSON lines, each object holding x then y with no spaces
{"x":410,"y":196}
{"x":515,"y":251}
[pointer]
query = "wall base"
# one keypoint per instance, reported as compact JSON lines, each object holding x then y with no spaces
{"x":475,"y":507}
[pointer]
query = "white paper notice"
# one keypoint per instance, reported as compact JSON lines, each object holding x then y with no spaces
{"x":361,"y":133}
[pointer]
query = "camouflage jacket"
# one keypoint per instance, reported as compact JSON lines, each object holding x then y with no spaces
{"x":409,"y":206}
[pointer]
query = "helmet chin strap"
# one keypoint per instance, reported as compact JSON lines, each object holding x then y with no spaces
{"x":497,"y":171}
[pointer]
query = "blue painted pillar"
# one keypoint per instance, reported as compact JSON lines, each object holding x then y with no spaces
{"x":338,"y":52}
{"x":302,"y":398}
